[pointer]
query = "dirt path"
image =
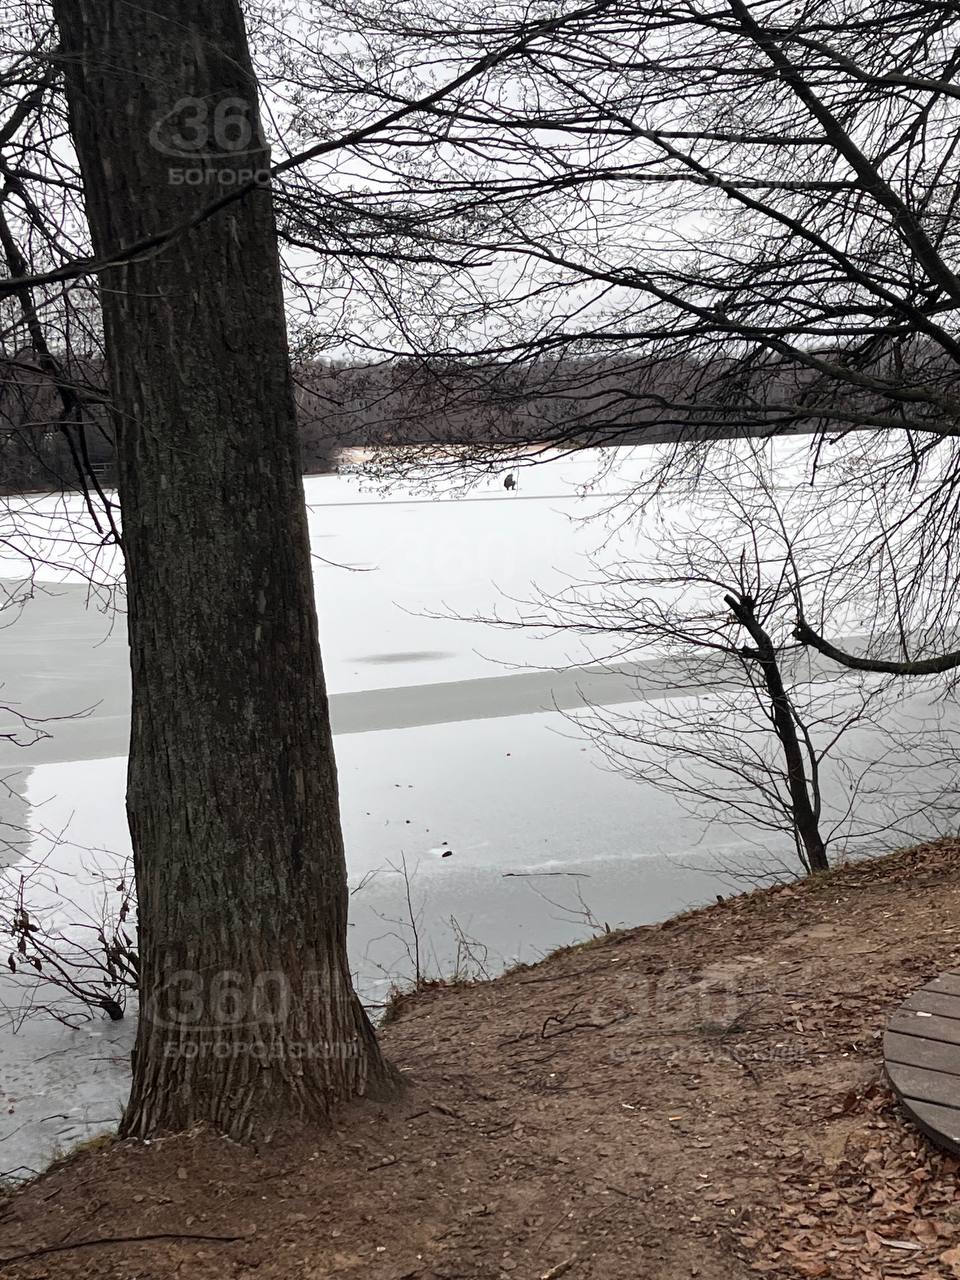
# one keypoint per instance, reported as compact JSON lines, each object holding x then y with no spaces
{"x":698,"y":1099}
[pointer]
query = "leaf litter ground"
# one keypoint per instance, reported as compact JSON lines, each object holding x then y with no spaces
{"x":701,"y":1098}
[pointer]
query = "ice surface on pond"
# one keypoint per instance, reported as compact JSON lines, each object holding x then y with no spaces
{"x":59,"y":1087}
{"x":452,"y":764}
{"x":537,"y":835}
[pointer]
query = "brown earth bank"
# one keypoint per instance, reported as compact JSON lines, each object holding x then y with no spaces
{"x":701,"y":1098}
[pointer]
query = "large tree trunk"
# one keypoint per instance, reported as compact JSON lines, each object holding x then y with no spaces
{"x":248,"y":1017}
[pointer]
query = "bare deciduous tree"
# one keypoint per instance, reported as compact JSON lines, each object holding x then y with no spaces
{"x":735,"y":716}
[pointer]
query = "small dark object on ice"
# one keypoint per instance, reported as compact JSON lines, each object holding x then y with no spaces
{"x":510,"y":482}
{"x":447,"y":853}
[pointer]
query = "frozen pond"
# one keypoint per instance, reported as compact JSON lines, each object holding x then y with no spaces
{"x":454,"y":761}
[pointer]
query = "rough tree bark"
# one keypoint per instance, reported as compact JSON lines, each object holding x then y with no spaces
{"x":248,"y":1016}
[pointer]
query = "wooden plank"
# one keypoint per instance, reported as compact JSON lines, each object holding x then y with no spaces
{"x":941,"y":1124}
{"x":925,"y":1086}
{"x":947,"y":984}
{"x":916,"y":1051}
{"x":921,"y":1051}
{"x":944,"y":1005}
{"x":913,"y":1022}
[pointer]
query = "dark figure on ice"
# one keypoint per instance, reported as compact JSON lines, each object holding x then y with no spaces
{"x":510,"y":482}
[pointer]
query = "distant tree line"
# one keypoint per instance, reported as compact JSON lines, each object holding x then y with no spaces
{"x":578,"y":402}
{"x":573,"y":403}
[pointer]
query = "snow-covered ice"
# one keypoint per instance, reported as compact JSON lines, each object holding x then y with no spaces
{"x":446,"y":741}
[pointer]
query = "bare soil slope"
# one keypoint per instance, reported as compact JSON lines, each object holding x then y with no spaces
{"x":702,"y":1098}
